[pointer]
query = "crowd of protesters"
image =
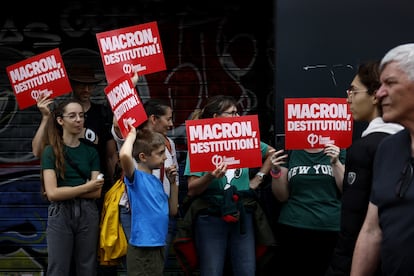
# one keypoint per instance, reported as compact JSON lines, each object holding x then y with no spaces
{"x":343,"y":211}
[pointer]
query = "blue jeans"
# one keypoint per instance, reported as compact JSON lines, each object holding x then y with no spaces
{"x":215,"y":238}
{"x":125,"y":219}
{"x":172,"y":230}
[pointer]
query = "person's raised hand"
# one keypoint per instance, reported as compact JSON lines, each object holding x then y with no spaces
{"x":171,"y":173}
{"x":333,"y":152}
{"x":131,"y":129}
{"x":220,"y":170}
{"x":278,"y":158}
{"x":135,"y":78}
{"x":43,"y":103}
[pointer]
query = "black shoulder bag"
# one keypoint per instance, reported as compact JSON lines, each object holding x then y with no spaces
{"x":75,"y":166}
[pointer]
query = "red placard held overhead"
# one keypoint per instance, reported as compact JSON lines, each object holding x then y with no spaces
{"x":315,"y":122}
{"x":125,"y":103}
{"x":43,"y":74}
{"x":233,"y":140}
{"x":131,"y":49}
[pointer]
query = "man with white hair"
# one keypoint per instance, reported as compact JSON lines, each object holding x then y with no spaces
{"x":387,"y":236}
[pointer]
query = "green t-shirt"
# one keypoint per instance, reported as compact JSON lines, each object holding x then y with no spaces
{"x":314,"y":199}
{"x":236,"y":177}
{"x":86,"y":157}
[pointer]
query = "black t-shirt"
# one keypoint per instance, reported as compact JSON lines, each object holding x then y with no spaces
{"x":395,"y":213}
{"x":98,"y":124}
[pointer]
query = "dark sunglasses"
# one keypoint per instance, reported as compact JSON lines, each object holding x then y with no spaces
{"x":405,"y":179}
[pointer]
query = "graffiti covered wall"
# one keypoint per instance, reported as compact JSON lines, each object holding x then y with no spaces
{"x":216,"y":49}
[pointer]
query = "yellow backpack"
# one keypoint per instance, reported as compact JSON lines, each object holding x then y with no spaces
{"x":112,"y":240}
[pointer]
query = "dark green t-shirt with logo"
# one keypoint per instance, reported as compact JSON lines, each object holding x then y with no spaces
{"x":314,"y":199}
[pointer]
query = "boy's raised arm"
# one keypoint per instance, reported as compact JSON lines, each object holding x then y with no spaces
{"x":125,"y":153}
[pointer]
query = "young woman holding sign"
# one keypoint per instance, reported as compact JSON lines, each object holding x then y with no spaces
{"x":309,"y":186}
{"x":226,"y":225}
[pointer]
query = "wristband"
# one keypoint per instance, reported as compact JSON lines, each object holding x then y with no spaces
{"x":276,"y":174}
{"x":275,"y":170}
{"x":260,"y":175}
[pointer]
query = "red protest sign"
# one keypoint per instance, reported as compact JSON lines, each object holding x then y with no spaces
{"x":234,"y":140}
{"x":315,"y":122}
{"x":125,"y":103}
{"x":43,"y":74}
{"x":131,"y":49}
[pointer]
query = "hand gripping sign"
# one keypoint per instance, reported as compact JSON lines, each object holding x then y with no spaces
{"x":315,"y":122}
{"x":131,"y":49}
{"x":125,"y":103}
{"x":40,"y":75}
{"x":233,"y":140}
